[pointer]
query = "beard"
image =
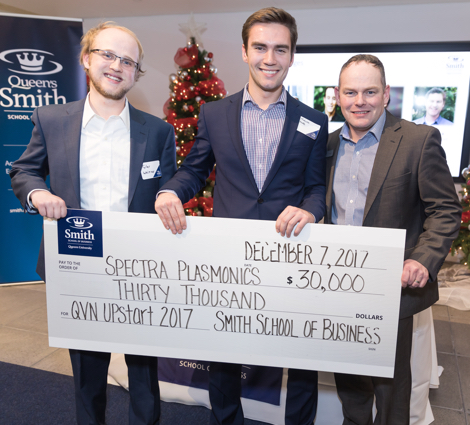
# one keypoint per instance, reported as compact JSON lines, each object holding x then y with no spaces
{"x":118,"y":95}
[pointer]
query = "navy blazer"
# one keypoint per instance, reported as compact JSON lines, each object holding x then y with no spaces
{"x":296,"y":178}
{"x":54,"y":150}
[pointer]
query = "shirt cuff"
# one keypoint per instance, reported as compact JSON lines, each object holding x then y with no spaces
{"x":30,"y":208}
{"x":166,"y":191}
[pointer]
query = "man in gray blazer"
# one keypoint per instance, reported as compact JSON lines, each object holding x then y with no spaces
{"x":93,"y":151}
{"x":388,"y":172}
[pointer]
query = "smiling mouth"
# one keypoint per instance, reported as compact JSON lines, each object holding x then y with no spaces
{"x":112,"y":77}
{"x":269,"y":72}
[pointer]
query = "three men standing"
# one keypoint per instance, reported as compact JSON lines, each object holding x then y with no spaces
{"x":270,"y":154}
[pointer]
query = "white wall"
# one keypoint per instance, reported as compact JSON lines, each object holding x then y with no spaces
{"x":161,"y":38}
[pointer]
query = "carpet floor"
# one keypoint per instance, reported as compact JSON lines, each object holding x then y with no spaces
{"x":31,"y":396}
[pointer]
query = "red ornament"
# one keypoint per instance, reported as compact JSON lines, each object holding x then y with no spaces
{"x":210,"y":55}
{"x":185,"y":149}
{"x":187,"y":57}
{"x":466,"y":216}
{"x":192,"y":203}
{"x":212,"y":175}
{"x":208,"y":205}
{"x":214,"y":86}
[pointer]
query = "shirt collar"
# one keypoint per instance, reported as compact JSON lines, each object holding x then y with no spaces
{"x":436,"y":122}
{"x":377,"y":129}
{"x":88,"y":114}
{"x":247,"y":97}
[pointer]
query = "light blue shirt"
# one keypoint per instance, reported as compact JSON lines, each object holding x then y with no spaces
{"x":440,"y":121}
{"x":261,"y":133}
{"x":352,"y":174}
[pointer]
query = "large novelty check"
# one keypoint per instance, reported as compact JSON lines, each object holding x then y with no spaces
{"x":225,"y":290}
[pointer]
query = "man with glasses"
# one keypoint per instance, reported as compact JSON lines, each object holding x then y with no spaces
{"x":94,"y":150}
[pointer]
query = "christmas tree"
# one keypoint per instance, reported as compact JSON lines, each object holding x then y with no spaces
{"x":461,"y":244}
{"x":194,"y":84}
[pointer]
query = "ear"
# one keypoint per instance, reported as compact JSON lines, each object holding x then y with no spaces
{"x":337,"y":96}
{"x":244,"y":55}
{"x":386,"y":95}
{"x":86,"y":61}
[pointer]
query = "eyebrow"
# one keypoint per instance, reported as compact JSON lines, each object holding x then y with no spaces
{"x":355,"y":89}
{"x":277,"y":46}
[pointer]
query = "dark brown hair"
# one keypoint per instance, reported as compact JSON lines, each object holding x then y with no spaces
{"x":271,"y":15}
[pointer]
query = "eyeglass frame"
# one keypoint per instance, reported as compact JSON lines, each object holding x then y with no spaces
{"x":136,"y":64}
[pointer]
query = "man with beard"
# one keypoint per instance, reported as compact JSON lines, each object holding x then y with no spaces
{"x":93,"y":150}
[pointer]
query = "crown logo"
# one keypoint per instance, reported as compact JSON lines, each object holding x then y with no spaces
{"x":78,"y":222}
{"x":34,"y":64}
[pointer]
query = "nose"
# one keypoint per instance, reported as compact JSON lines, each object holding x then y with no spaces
{"x":270,"y":57}
{"x":116,"y":64}
{"x":359,"y":99}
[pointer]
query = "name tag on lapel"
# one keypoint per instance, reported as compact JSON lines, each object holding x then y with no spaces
{"x":308,"y":128}
{"x":151,"y":170}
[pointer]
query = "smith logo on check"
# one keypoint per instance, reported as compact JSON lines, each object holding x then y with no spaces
{"x":81,"y":233}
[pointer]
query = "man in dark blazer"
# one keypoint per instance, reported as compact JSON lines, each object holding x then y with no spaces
{"x":93,"y":151}
{"x":270,"y":155}
{"x":387,"y":172}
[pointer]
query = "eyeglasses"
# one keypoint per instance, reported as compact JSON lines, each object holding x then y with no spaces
{"x":111,"y":57}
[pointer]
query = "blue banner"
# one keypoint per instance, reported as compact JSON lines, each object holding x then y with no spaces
{"x":259,"y":383}
{"x":38,"y":66}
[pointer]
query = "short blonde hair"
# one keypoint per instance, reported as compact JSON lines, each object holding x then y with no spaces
{"x":89,"y":38}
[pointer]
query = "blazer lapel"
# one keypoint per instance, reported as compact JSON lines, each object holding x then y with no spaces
{"x":234,"y":112}
{"x":388,"y":145}
{"x":71,"y":134}
{"x":139,"y":135}
{"x":287,"y":136}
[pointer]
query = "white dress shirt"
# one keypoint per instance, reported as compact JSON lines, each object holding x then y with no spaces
{"x":104,"y":160}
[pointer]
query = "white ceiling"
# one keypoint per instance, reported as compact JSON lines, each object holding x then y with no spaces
{"x":121,"y":8}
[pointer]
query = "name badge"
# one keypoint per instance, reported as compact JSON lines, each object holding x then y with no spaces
{"x":308,"y":128}
{"x":151,"y":170}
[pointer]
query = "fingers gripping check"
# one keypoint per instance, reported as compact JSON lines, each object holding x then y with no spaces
{"x":171,"y":212}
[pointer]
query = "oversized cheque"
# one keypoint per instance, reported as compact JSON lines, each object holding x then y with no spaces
{"x":225,"y":290}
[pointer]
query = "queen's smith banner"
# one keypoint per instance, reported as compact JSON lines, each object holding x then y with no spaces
{"x":38,"y":66}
